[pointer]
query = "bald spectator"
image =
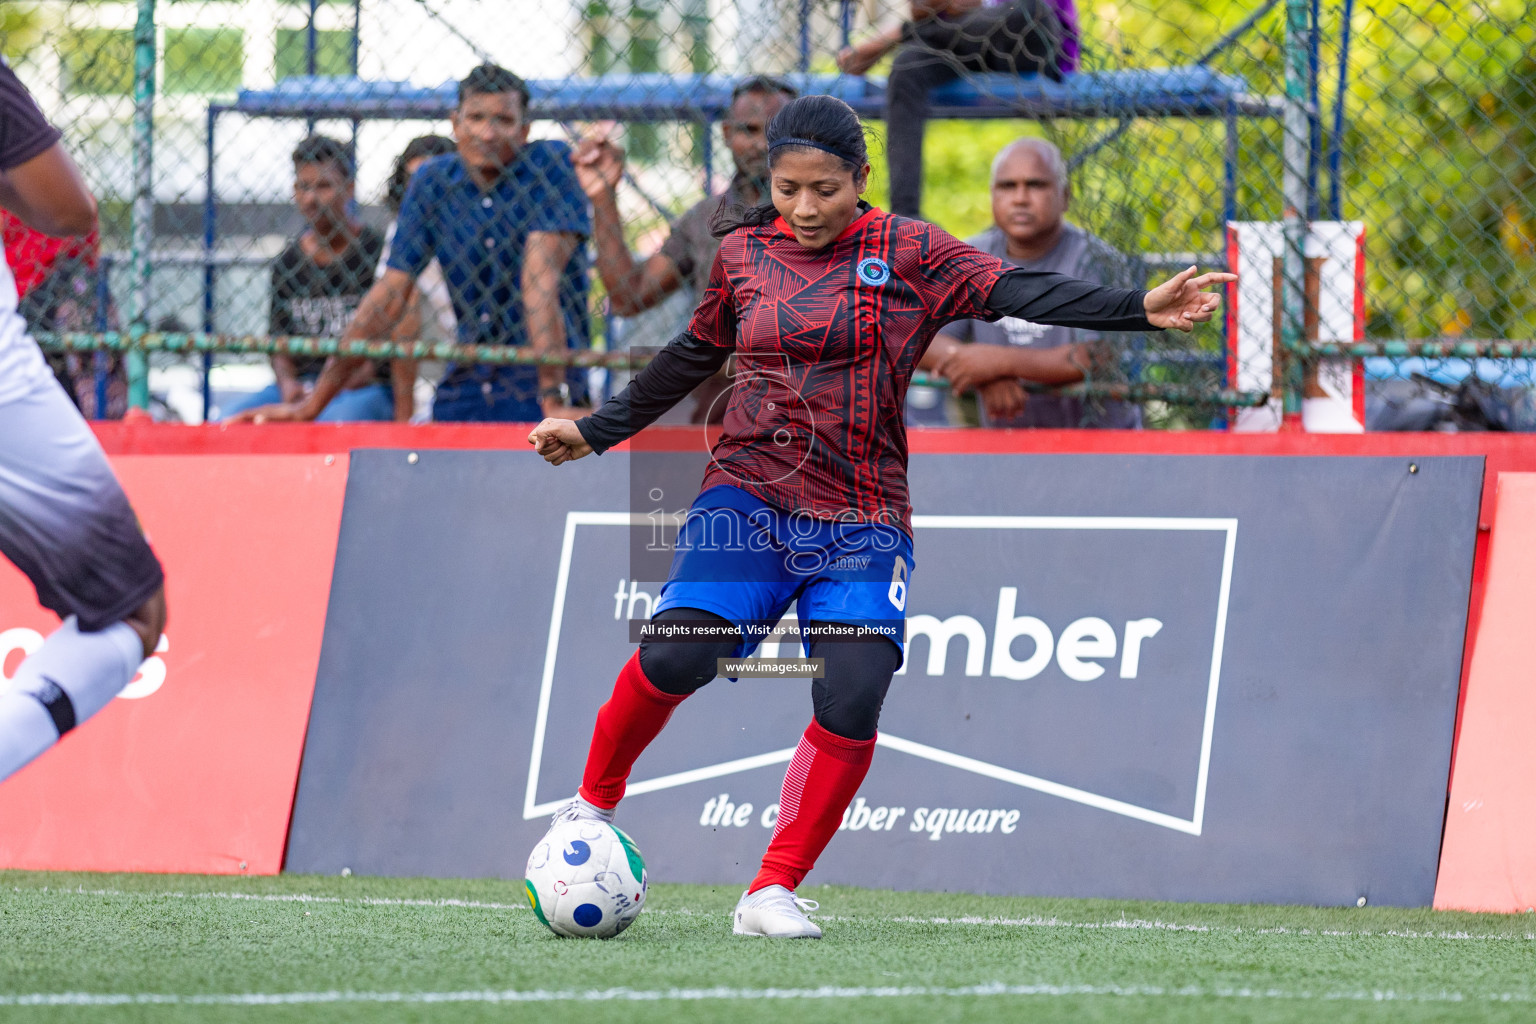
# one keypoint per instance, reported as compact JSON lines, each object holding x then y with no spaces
{"x":635,"y":285}
{"x":1030,"y":196}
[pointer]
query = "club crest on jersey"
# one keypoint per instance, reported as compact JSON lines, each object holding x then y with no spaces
{"x":874,"y":271}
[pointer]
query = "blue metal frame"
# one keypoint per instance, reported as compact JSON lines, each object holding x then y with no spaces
{"x":101,"y":362}
{"x":210,"y":241}
{"x":1314,"y":111}
{"x":1336,"y":137}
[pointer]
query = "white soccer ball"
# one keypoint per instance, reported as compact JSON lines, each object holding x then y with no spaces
{"x":586,"y":879}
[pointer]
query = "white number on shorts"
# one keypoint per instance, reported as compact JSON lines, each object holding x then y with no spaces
{"x":898,"y":592}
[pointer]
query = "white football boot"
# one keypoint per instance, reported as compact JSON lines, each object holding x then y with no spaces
{"x":776,"y":912}
{"x":577,"y":809}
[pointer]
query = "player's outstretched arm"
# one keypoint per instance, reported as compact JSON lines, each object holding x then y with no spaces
{"x":559,"y":441}
{"x":1048,"y":298}
{"x":667,"y":379}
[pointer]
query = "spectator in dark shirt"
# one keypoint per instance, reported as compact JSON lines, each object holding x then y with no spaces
{"x":317,"y":282}
{"x":1030,"y":196}
{"x":505,"y":218}
{"x":689,"y":250}
{"x":943,"y":40}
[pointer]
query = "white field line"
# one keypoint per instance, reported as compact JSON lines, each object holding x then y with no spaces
{"x":1117,"y":924}
{"x":368,"y":901}
{"x":745,"y":994}
{"x":1136,"y":924}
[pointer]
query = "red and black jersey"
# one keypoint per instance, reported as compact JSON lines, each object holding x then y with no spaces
{"x":826,"y":342}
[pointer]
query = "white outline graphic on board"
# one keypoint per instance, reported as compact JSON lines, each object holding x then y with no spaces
{"x":1191,"y":825}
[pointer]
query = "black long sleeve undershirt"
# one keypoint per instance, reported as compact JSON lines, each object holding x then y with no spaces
{"x":1043,"y":297}
{"x":670,"y":376}
{"x":1039,"y":296}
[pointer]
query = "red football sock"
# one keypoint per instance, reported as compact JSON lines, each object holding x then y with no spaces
{"x":823,"y":776}
{"x":633,"y":716}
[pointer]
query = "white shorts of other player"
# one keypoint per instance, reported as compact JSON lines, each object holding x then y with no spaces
{"x":62,"y":519}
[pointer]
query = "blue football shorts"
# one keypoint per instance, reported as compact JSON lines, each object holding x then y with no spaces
{"x":747,"y":562}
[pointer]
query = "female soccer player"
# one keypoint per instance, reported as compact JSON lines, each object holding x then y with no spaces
{"x":827,"y":304}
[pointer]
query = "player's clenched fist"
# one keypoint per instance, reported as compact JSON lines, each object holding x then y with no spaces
{"x":559,"y":441}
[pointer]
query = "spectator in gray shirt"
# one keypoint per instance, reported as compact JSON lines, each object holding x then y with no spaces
{"x":1030,"y":195}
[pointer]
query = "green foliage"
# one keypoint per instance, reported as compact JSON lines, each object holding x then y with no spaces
{"x":333,"y":53}
{"x":1441,"y":145}
{"x":21,"y":29}
{"x":97,"y":61}
{"x":203,"y":60}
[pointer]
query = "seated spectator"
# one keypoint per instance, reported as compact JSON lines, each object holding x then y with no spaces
{"x":944,"y":39}
{"x":505,"y":218}
{"x":1030,"y":195}
{"x":59,"y":285}
{"x":689,"y":250}
{"x":429,"y":316}
{"x":317,"y":282}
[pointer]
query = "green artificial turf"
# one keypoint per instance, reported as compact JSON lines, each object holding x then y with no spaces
{"x":433,"y":950}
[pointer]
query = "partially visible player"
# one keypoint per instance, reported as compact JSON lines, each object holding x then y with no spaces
{"x":64,"y":520}
{"x":828,"y":304}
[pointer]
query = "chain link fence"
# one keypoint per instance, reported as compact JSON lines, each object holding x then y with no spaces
{"x":1366,"y":167}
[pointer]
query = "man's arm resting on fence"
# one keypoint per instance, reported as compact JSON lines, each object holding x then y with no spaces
{"x":289,"y":387}
{"x":48,"y":194}
{"x":968,"y":367}
{"x":402,"y":379}
{"x":402,"y":372}
{"x":543,"y":268}
{"x":375,"y":318}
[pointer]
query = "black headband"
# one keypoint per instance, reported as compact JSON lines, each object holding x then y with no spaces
{"x":812,"y":143}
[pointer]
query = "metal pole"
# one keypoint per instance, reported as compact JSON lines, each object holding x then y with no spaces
{"x":1336,"y":137}
{"x":143,"y":201}
{"x":1314,"y":108}
{"x":1296,"y":143}
{"x":210,"y":245}
{"x":100,"y":361}
{"x":311,"y":46}
{"x":311,"y":40}
{"x":357,"y":49}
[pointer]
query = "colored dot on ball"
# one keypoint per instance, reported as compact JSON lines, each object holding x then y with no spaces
{"x":587,"y":915}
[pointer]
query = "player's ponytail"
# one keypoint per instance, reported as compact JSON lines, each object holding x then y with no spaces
{"x":822,"y":123}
